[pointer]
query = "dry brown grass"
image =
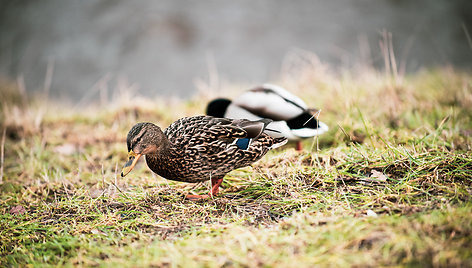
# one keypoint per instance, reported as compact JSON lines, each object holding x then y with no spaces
{"x":389,"y":184}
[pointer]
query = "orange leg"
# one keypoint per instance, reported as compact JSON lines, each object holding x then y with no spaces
{"x":215,"y":185}
{"x":299,"y":146}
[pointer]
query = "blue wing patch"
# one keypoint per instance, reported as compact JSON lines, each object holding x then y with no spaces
{"x":243,"y":144}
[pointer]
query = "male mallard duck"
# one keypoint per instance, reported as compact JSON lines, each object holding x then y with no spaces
{"x":292,"y":117}
{"x":198,"y":148}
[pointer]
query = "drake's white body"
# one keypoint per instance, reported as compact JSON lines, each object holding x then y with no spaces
{"x":276,"y":103}
{"x":236,"y":112}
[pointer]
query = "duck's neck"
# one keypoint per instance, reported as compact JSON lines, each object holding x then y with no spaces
{"x":163,"y":160}
{"x":164,"y":146}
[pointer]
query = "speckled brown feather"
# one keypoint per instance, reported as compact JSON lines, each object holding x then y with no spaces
{"x":203,"y":147}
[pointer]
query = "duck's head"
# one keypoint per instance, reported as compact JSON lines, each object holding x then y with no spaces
{"x":142,"y":139}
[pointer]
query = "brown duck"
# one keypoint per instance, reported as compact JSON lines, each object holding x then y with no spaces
{"x":199,"y":148}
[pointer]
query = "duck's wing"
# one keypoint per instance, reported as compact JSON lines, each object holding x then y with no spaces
{"x":228,"y":144}
{"x":198,"y":132}
{"x":271,"y":101}
{"x":237,"y":128}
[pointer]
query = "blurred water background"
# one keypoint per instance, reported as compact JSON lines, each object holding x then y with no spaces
{"x":73,"y":47}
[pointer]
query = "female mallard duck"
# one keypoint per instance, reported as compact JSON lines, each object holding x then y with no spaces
{"x":198,"y":148}
{"x":291,"y":116}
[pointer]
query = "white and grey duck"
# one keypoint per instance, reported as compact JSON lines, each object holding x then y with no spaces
{"x":291,"y":116}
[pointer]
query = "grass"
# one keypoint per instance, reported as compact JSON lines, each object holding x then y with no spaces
{"x":389,"y":184}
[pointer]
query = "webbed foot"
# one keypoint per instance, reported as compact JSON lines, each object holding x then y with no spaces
{"x":195,"y":197}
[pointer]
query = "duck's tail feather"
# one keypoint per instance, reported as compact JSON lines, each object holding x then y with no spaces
{"x":253,"y":128}
{"x":279,"y":142}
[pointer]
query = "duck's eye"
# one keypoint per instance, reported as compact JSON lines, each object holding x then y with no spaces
{"x":138,"y":139}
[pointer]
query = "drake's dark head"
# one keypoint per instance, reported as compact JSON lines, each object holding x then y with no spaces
{"x":217,"y":107}
{"x":142,"y":139}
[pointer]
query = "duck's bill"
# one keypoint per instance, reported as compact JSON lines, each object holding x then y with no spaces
{"x":133,"y":159}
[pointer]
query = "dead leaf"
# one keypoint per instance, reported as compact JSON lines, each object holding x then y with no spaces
{"x":17,"y":210}
{"x":371,"y":213}
{"x":96,"y":232}
{"x":66,"y":149}
{"x":378,"y":175}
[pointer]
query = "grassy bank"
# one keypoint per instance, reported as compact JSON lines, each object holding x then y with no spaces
{"x":389,"y":184}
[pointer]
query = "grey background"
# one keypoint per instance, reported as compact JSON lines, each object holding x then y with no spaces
{"x":163,"y":46}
